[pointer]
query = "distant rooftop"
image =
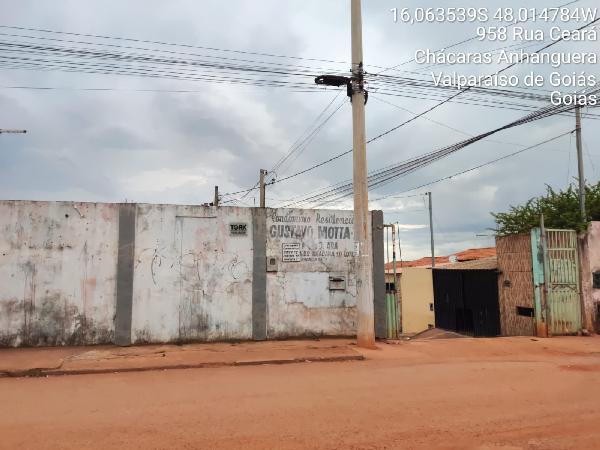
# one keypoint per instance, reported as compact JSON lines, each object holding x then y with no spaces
{"x":472,"y":254}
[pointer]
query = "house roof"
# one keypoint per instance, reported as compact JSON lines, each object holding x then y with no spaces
{"x":472,"y":254}
{"x":489,"y":263}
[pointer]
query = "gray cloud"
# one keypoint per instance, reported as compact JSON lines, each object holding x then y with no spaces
{"x":166,"y":147}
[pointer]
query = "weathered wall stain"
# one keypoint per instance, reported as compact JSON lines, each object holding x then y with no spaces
{"x":299,"y":299}
{"x":192,"y":277}
{"x":56,"y":273}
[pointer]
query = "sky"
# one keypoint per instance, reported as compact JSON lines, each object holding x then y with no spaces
{"x":131,"y":143}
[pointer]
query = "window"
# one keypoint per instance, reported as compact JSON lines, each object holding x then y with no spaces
{"x":524,"y":311}
{"x":596,"y":280}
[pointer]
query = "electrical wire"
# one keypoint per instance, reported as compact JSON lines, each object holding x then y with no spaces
{"x":479,"y":166}
{"x":387,"y":174}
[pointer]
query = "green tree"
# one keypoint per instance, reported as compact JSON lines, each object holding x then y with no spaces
{"x":560,"y":209}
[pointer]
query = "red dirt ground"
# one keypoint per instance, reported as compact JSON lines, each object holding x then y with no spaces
{"x":505,"y":393}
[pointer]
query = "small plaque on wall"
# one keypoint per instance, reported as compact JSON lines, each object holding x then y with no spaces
{"x":291,"y":252}
{"x":238,"y":229}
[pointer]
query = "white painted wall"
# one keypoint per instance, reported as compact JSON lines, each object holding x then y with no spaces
{"x":299,"y":301}
{"x":57,"y":272}
{"x":192,"y":279}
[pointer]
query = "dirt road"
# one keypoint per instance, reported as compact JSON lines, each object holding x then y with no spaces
{"x":508,"y":393}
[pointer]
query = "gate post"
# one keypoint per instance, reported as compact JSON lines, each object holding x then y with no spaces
{"x":537,"y":259}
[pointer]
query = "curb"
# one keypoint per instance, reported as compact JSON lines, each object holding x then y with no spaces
{"x":62,"y":372}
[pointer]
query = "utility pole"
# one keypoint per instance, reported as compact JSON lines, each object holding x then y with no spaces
{"x":580,"y":164}
{"x":263,"y":173}
{"x":363,"y":246}
{"x":397,"y":306}
{"x":9,"y":131}
{"x":216,"y":200}
{"x":364,"y":263}
{"x":431,"y":231}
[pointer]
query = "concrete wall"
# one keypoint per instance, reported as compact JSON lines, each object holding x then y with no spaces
{"x":416,"y":294}
{"x":57,"y":273}
{"x":87,"y":273}
{"x":589,"y":252}
{"x":304,"y":249}
{"x":192,"y":279}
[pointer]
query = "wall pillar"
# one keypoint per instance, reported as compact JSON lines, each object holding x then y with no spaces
{"x":378,"y":275}
{"x":259,"y":274}
{"x":125,"y":266}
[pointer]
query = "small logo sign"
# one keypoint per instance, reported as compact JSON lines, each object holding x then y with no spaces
{"x":238,"y":229}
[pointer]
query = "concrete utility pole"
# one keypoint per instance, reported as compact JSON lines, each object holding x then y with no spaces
{"x":263,"y":173}
{"x":580,"y":164}
{"x":431,"y":231}
{"x":216,"y":200}
{"x":364,"y":264}
{"x":3,"y":130}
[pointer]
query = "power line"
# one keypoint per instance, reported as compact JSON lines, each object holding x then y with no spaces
{"x":300,"y":143}
{"x":170,"y":44}
{"x":304,"y":139}
{"x":428,"y":110}
{"x":394,"y":196}
{"x":186,"y":55}
{"x":387,"y":174}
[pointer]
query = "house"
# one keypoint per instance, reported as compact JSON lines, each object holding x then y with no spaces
{"x":413,"y":287}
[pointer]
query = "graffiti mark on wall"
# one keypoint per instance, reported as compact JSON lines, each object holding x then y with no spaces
{"x":237,"y":268}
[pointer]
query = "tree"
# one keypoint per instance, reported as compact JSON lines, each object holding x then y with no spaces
{"x":560,"y":209}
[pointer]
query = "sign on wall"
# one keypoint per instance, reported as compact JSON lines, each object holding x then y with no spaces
{"x":291,"y":252}
{"x":309,"y":236}
{"x":238,"y":229}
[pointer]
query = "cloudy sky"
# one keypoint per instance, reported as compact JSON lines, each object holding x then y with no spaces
{"x":134,"y":141}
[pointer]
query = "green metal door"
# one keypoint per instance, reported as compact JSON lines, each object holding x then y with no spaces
{"x":562,"y":278}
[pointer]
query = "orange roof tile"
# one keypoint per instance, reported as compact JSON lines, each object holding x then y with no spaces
{"x":465,"y":255}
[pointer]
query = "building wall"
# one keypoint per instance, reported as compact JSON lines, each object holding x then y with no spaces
{"x":515,"y":284}
{"x":589,"y":251}
{"x":305,"y":248}
{"x":90,"y":273}
{"x":416,"y":293}
{"x":192,"y":279}
{"x":57,"y":273}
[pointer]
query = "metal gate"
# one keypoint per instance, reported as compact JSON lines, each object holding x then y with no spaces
{"x":561,"y":270}
{"x":466,"y":301}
